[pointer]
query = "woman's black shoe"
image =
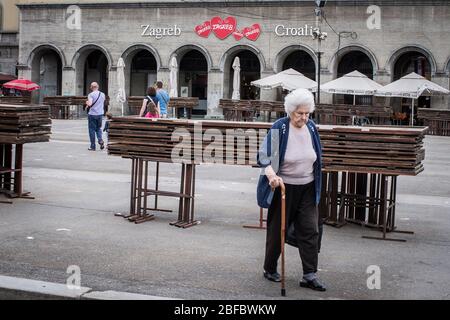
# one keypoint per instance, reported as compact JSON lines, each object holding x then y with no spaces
{"x":275,"y":277}
{"x":312,"y":284}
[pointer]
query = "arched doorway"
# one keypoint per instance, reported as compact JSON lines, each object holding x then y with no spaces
{"x":302,"y":62}
{"x":412,"y":61}
{"x":141,"y":72}
{"x":250,"y":71}
{"x":92,"y":65}
{"x":193,"y":78}
{"x":351,"y":61}
{"x":46,"y":70}
{"x":96,"y":69}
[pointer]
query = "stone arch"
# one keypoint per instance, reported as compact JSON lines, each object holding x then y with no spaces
{"x":447,"y":67}
{"x":247,"y":75}
{"x":78,"y":63}
{"x":39,"y":49}
{"x":334,"y":60}
{"x":87,"y":49}
{"x":224,"y":59}
{"x":137,"y":83}
{"x":194,"y":64}
{"x":390,"y":64}
{"x":46,"y":62}
{"x":141,"y":46}
{"x":181,"y":51}
{"x":284,"y":53}
{"x":407,"y":59}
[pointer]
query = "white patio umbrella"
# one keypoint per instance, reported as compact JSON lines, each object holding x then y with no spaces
{"x":412,"y":86}
{"x":354,"y":83}
{"x":236,"y":79}
{"x":289,"y":79}
{"x":121,"y":95}
{"x":173,"y":77}
{"x":173,"y":80}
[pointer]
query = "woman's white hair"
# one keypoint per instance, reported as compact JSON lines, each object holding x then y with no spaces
{"x":299,"y":98}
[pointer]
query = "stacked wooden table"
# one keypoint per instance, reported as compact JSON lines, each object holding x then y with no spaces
{"x":387,"y":150}
{"x":363,"y":161}
{"x":437,"y":121}
{"x":237,"y":110}
{"x":19,"y":124}
{"x":179,"y":105}
{"x":347,"y":114}
{"x":15,"y":100}
{"x":177,"y":141}
{"x":157,"y":139}
{"x":183,"y":105}
{"x":134,"y":104}
{"x":61,"y":106}
{"x":248,"y":110}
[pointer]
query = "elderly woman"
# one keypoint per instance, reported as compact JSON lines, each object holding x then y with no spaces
{"x":291,"y":153}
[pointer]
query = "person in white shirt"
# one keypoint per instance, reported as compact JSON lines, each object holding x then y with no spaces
{"x":95,"y":103}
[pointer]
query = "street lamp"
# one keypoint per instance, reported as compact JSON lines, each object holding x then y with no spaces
{"x":319,"y":35}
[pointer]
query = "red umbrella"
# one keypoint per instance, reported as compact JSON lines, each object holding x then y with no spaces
{"x":22,"y":84}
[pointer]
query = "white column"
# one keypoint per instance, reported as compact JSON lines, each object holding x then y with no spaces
{"x":326,"y":98}
{"x":442,"y":102}
{"x":25,"y":73}
{"x":215,"y":92}
{"x":68,"y":85}
{"x":163,"y":75}
{"x":383,"y":78}
{"x":267,"y":94}
{"x":115,"y":107}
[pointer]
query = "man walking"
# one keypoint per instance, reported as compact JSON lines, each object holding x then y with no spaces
{"x":163,"y":98}
{"x":95,"y":103}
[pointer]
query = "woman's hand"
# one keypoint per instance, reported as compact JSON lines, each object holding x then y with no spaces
{"x":274,"y":181}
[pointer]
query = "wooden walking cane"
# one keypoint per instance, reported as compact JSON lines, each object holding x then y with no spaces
{"x":283,"y":231}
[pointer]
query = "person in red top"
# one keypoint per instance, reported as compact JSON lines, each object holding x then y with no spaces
{"x":150,"y":105}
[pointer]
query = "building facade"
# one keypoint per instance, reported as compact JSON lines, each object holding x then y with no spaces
{"x":9,"y":40}
{"x":65,"y":47}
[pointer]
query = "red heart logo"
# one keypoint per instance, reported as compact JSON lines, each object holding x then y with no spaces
{"x":252,"y":33}
{"x":238,"y":35}
{"x":204,"y":29}
{"x":223,"y":28}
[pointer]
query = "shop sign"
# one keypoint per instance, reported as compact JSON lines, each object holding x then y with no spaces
{"x":222,"y":29}
{"x":283,"y":31}
{"x":158,"y":33}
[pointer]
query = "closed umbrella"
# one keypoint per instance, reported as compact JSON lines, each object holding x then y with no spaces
{"x":22,"y":84}
{"x":173,"y":80}
{"x":354,"y":83}
{"x":236,"y":79}
{"x":412,"y":86}
{"x":289,"y":79}
{"x":121,"y":95}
